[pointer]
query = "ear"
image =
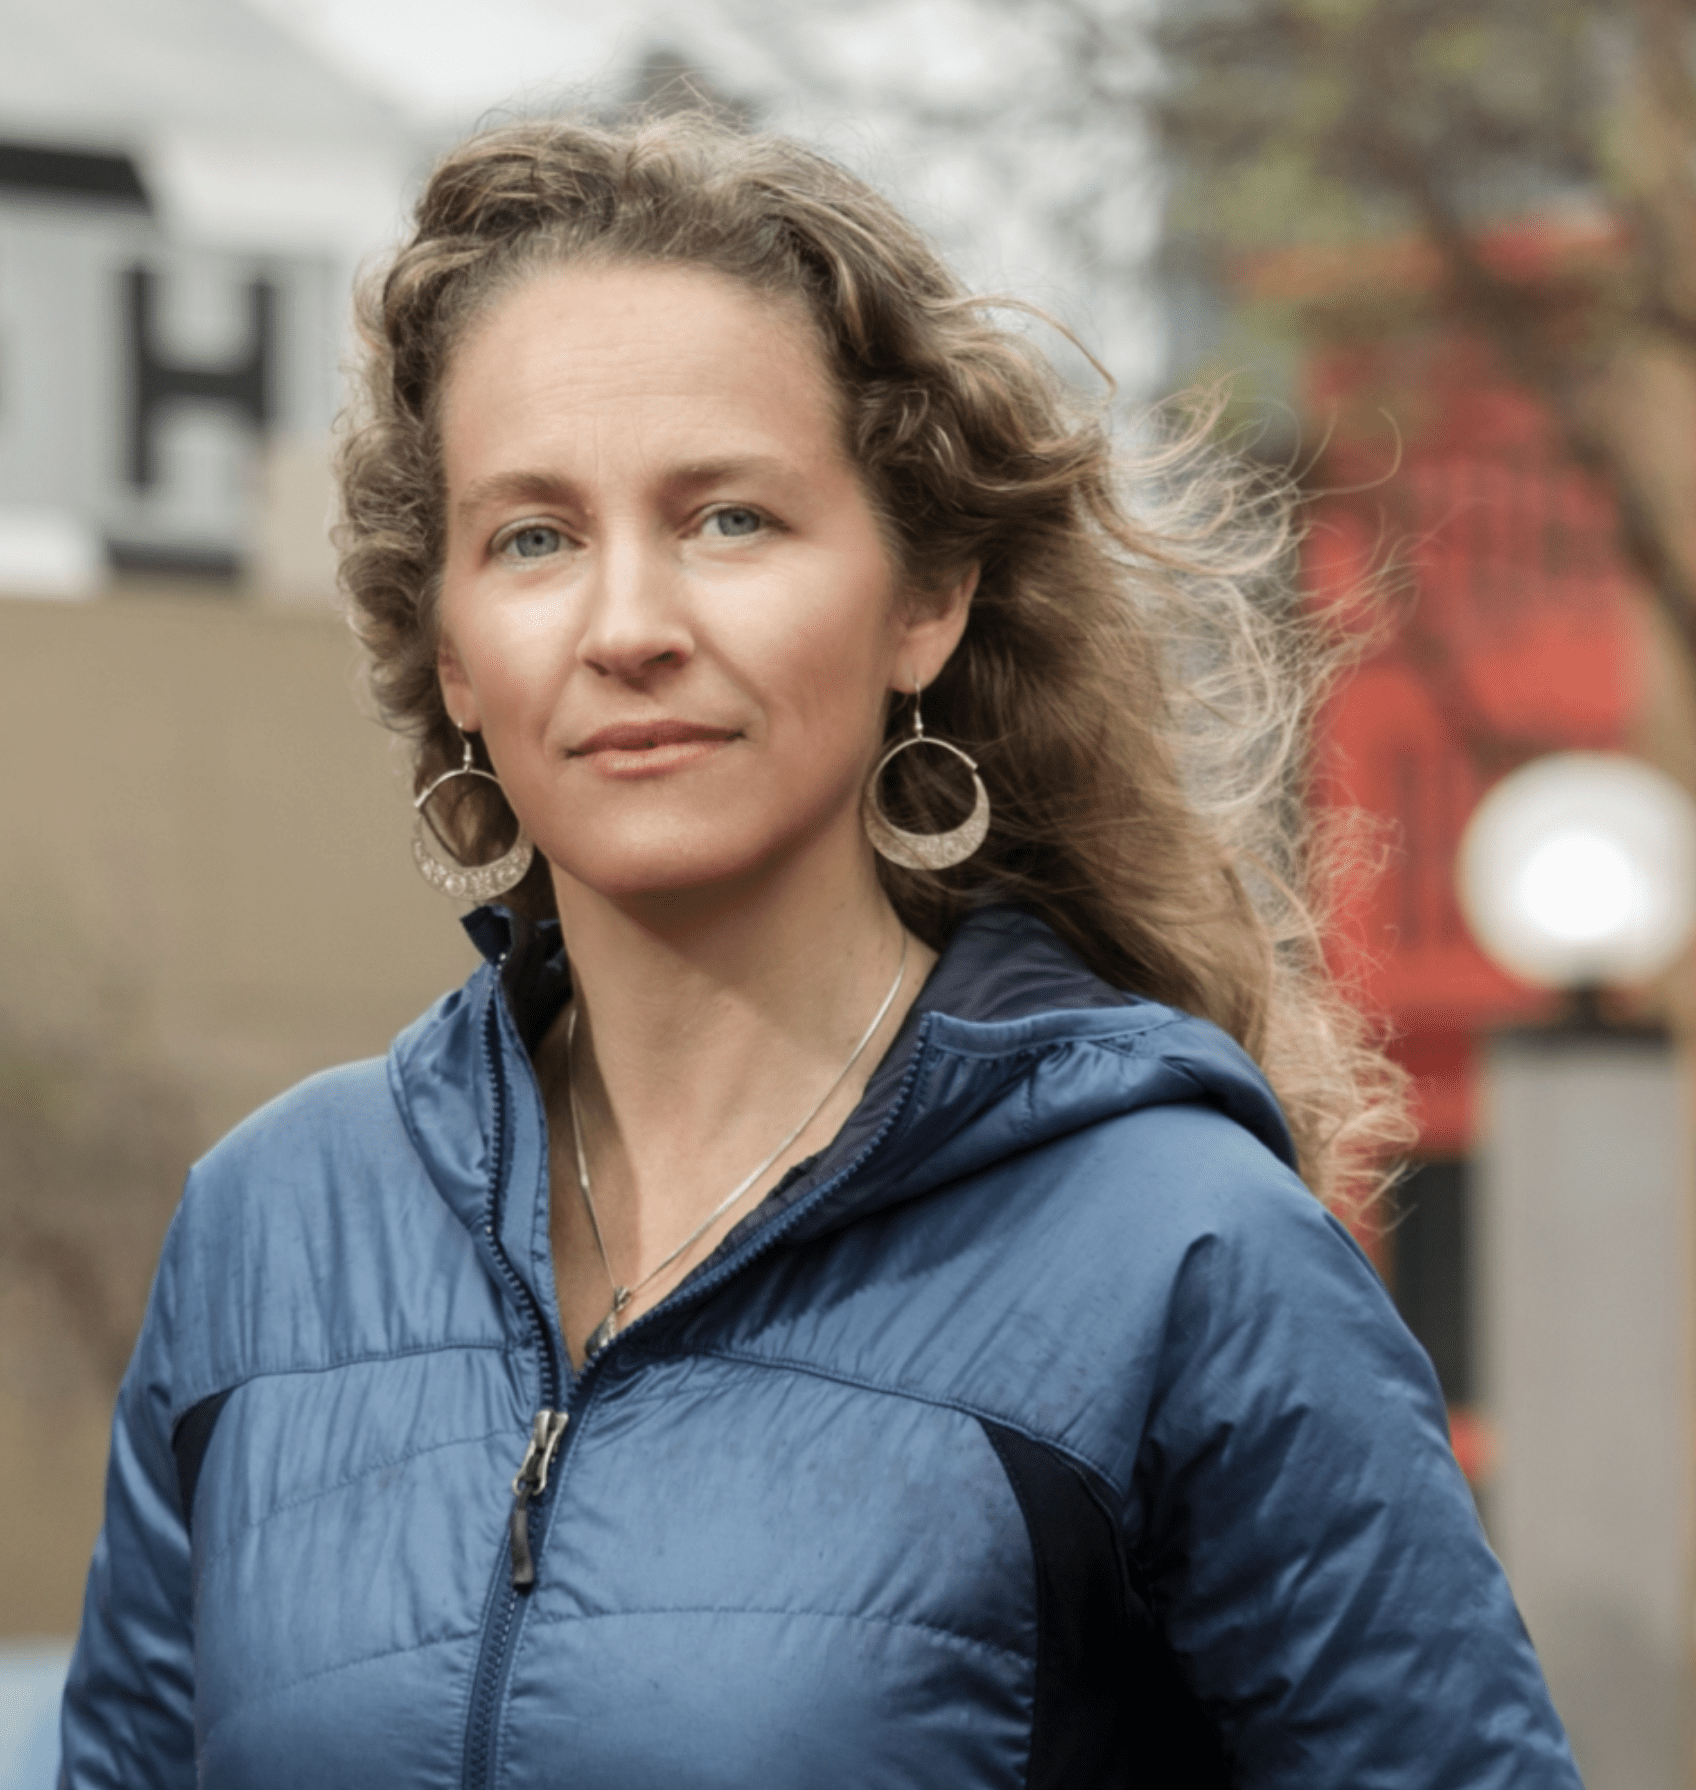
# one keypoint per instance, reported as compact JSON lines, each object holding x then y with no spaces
{"x":934,"y":628}
{"x":456,"y":687}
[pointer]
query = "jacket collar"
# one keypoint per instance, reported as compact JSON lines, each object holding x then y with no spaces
{"x":1013,"y":1041}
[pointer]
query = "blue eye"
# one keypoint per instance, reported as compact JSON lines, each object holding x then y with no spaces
{"x":534,"y":541}
{"x":736,"y":521}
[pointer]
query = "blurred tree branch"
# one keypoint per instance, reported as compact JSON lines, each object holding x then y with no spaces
{"x":1346,"y":122}
{"x":1018,"y":134}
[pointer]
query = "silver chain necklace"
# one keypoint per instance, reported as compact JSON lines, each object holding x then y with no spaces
{"x":607,"y":1329}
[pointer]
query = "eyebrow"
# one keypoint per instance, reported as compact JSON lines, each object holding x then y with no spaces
{"x":715,"y":472}
{"x":545,"y":487}
{"x":513,"y":487}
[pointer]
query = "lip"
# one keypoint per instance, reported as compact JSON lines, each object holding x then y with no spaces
{"x":650,"y":736}
{"x":638,"y":751}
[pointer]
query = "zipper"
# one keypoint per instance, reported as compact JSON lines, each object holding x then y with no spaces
{"x":546,"y":1446}
{"x":530,"y":1481}
{"x":514,"y":1576}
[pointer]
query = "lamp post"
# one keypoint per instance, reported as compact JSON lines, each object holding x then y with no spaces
{"x":1578,"y":873}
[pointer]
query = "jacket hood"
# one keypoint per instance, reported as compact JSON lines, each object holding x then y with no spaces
{"x":1012,"y":1042}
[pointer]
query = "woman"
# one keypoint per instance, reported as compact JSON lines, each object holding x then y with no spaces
{"x":832,"y":1300}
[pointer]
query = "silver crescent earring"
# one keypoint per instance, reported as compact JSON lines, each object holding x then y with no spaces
{"x":465,"y":882}
{"x":925,"y":851}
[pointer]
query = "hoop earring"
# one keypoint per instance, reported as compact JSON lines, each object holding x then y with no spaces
{"x":466,"y":882}
{"x":925,"y":851}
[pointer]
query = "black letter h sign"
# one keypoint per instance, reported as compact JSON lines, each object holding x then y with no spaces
{"x":155,"y":383}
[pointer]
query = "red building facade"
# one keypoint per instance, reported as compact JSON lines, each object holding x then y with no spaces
{"x":1504,"y":627}
{"x":1507,"y":628}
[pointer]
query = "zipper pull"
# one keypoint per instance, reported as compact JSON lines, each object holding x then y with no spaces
{"x":530,"y":1481}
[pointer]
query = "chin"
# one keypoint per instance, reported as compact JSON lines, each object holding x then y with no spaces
{"x":688,"y":860}
{"x":678,"y":868}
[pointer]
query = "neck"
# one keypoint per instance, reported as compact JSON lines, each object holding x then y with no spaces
{"x":705,"y":1027}
{"x":709,"y":1023}
{"x":650,"y":972}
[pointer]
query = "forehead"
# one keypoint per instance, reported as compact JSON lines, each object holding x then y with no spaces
{"x":672,"y":357}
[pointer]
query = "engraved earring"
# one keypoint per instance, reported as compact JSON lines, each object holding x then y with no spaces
{"x":465,"y":882}
{"x":924,"y":851}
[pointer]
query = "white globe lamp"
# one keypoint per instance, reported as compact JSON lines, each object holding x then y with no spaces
{"x":1579,"y":870}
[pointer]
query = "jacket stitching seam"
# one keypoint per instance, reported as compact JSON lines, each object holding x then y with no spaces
{"x":340,"y":1485}
{"x":1176,"y":1064}
{"x":1126,"y":1043}
{"x":363,"y":1659}
{"x":329,"y":1367}
{"x":409,"y":1123}
{"x":961,"y":1407}
{"x":396,"y":1065}
{"x":895,"y":1622}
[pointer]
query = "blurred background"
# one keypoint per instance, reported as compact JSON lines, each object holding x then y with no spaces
{"x":1444,"y":252}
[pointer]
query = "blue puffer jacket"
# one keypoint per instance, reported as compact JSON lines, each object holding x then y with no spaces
{"x":1042,"y":1431}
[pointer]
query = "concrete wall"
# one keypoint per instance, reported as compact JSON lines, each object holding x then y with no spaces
{"x":203,"y":849}
{"x":1586,"y":1205}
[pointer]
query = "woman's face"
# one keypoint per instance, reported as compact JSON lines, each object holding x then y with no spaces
{"x":666,"y":603}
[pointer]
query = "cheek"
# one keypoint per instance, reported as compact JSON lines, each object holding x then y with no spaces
{"x":509,"y":653}
{"x":836,"y":657}
{"x":828,"y":705}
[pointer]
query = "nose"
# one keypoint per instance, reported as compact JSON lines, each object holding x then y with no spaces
{"x":637,"y":622}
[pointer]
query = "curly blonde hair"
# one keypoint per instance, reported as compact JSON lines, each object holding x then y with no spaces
{"x":1134,"y":684}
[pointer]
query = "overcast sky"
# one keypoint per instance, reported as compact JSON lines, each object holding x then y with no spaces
{"x":444,"y":62}
{"x":951,"y":105}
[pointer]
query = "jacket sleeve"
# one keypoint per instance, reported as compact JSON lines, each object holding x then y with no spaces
{"x":1314,"y":1551}
{"x":128,"y":1716}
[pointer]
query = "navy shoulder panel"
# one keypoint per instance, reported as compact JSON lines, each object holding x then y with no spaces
{"x":189,"y":1443}
{"x":1112,"y":1706}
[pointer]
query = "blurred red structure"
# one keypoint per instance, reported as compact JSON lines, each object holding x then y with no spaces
{"x":1511,"y":631}
{"x":1498,"y":622}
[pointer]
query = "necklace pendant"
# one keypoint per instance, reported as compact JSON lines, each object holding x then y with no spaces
{"x":607,"y":1329}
